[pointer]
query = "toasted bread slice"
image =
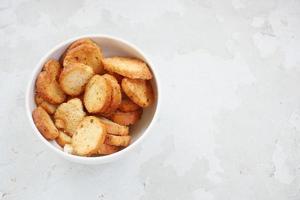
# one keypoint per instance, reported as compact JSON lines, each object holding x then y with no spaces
{"x":87,"y":54}
{"x":106,"y":149}
{"x":68,"y":115}
{"x":128,"y":106}
{"x":74,"y":78}
{"x":128,"y":67}
{"x":88,"y":137}
{"x":63,"y":139}
{"x":49,"y":90}
{"x":75,"y":44}
{"x":126,"y":118}
{"x":80,"y":42}
{"x":44,"y":123}
{"x":139,"y":91}
{"x":107,"y":105}
{"x":114,"y":128}
{"x":46,"y":84}
{"x":48,"y":107}
{"x":53,"y":68}
{"x":97,"y":95}
{"x":117,"y":140}
{"x":116,"y":95}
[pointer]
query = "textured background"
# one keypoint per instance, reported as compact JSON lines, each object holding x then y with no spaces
{"x":230,"y":116}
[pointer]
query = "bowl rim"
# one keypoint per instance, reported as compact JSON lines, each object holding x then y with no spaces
{"x":98,"y":159}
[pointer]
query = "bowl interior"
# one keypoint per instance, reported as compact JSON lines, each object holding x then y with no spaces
{"x":110,"y":47}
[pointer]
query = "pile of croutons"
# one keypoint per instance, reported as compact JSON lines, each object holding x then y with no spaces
{"x":87,"y":103}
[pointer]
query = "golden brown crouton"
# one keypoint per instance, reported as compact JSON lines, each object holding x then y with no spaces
{"x":128,"y":67}
{"x":68,"y":115}
{"x":48,"y":107}
{"x":97,"y":95}
{"x":63,"y":139}
{"x":106,"y":149}
{"x":80,"y":42}
{"x":53,"y":68}
{"x":127,"y":105}
{"x":116,"y":95}
{"x":88,"y":137}
{"x":74,"y":78}
{"x":139,"y":91}
{"x":114,"y":128}
{"x":46,"y":84}
{"x":126,"y":118}
{"x":75,"y":44}
{"x":87,"y":54}
{"x":44,"y":123}
{"x":117,"y":140}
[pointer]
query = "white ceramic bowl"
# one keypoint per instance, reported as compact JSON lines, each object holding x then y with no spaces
{"x":111,"y":46}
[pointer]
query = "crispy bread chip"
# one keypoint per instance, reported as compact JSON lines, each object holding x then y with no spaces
{"x":139,"y":91}
{"x":126,"y":118}
{"x":128,"y":67}
{"x":117,"y":140}
{"x":97,"y":95}
{"x":63,"y":139}
{"x":74,"y":78}
{"x":75,"y":44}
{"x":116,"y":95}
{"x":48,"y":107}
{"x":128,"y":106}
{"x":114,"y":128}
{"x":46,"y":84}
{"x":106,"y":149}
{"x":80,"y":42}
{"x":68,"y":115}
{"x":44,"y":123}
{"x":88,"y":137}
{"x":53,"y":68}
{"x":87,"y":54}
